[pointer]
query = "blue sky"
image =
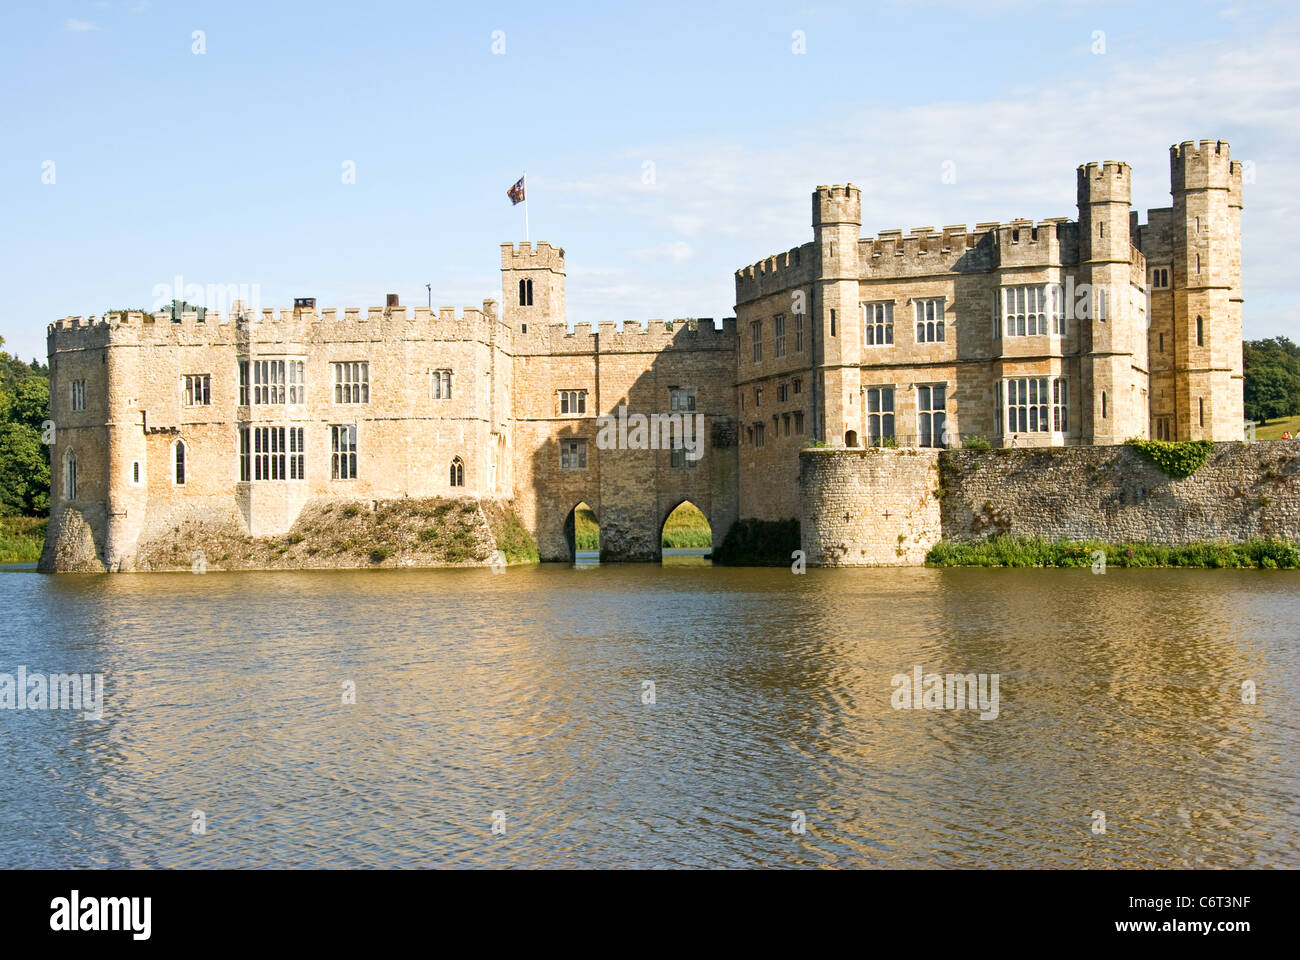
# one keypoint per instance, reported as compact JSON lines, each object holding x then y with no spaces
{"x":226,"y":167}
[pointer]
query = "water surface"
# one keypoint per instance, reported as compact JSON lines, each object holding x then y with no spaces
{"x":523,"y":693}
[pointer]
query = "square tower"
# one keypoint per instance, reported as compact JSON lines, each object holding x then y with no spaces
{"x":1206,"y":232}
{"x":532,"y":285}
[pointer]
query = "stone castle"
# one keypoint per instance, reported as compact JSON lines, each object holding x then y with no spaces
{"x":1022,"y":334}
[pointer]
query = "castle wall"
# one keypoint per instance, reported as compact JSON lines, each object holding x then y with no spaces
{"x":1144,"y":366}
{"x":1113,"y":494}
{"x":406,"y":438}
{"x":630,"y":491}
{"x":889,"y":507}
{"x":868,"y":507}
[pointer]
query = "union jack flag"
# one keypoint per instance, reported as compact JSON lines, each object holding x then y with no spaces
{"x":516,"y":193}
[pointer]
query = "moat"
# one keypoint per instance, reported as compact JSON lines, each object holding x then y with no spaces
{"x":525,"y":693}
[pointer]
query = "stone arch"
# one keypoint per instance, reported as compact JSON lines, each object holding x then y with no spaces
{"x":571,"y":527}
{"x":667,"y":514}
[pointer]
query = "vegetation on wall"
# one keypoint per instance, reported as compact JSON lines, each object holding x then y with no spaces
{"x":512,"y":537}
{"x":1176,"y":458}
{"x":1033,"y":552}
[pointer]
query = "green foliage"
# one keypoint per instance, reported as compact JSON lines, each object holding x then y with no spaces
{"x":514,"y":540}
{"x":1032,"y":552}
{"x":1178,"y":458}
{"x":21,"y":539}
{"x":24,"y":459}
{"x":889,"y":442}
{"x":759,"y":542}
{"x":975,"y":442}
{"x":1272,"y":378}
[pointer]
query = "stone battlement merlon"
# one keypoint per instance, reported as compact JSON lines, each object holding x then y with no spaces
{"x":686,"y":333}
{"x":526,"y":256}
{"x":778,"y":272}
{"x":1207,"y":165}
{"x":1110,"y":181}
{"x":841,"y":203}
{"x":304,"y":324}
{"x":957,"y":236}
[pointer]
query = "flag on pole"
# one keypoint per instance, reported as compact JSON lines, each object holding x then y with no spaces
{"x":516,"y":193}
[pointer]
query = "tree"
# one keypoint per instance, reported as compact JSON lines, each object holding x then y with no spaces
{"x":24,"y":470}
{"x":24,"y":458}
{"x":1272,"y":378}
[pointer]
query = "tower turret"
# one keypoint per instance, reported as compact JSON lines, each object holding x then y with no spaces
{"x":836,"y":326}
{"x":1208,"y":389}
{"x":532,"y":284}
{"x":1111,"y":339}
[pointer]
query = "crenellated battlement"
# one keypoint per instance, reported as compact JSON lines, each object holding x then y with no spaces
{"x":776,"y":273}
{"x":301,"y":325}
{"x":1110,"y":181}
{"x":1206,"y":165}
{"x":683,"y":333}
{"x":838,"y":204}
{"x":543,"y":256}
{"x":925,"y":250}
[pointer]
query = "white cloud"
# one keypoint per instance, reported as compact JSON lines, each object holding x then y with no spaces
{"x":1014,"y":155}
{"x":676,"y":252}
{"x":72,"y":25}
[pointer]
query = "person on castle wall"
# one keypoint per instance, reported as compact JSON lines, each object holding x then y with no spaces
{"x":1014,"y":438}
{"x":1286,"y":434}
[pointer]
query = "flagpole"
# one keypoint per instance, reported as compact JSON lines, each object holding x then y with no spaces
{"x":526,"y":206}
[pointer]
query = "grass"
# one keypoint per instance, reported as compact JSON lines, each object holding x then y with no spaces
{"x":1275,"y":428}
{"x":687,"y":529}
{"x":586,"y":532}
{"x":1030,"y":552}
{"x":21,"y":539}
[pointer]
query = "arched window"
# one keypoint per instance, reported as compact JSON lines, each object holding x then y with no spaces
{"x":70,"y":476}
{"x":1200,"y":332}
{"x":457,"y":472}
{"x":851,"y":438}
{"x":178,"y":458}
{"x":525,"y":293}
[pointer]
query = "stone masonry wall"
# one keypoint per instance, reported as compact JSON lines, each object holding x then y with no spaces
{"x":879,"y":507}
{"x":868,"y":507}
{"x":1112,"y":493}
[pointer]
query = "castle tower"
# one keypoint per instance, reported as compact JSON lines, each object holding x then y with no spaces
{"x":1112,"y":333}
{"x":1207,"y":363}
{"x":127,"y":460}
{"x":532,"y":285}
{"x":835,"y":321}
